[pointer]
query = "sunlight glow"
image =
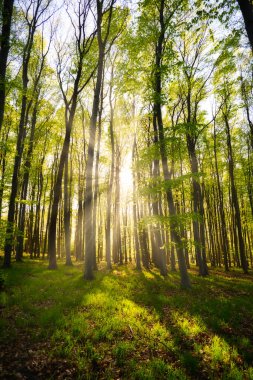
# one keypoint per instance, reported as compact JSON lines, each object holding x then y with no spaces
{"x":126,"y":179}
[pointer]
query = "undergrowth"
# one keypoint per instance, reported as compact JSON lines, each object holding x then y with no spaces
{"x":128,"y":324}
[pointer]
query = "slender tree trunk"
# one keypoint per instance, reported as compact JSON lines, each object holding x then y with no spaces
{"x":158,"y":251}
{"x":135,"y":213}
{"x":67,"y":213}
{"x":89,"y":235}
{"x":14,"y":187}
{"x":225,"y":245}
{"x":111,"y":178}
{"x":36,"y":233}
{"x":3,"y":157}
{"x":184,"y":231}
{"x":234,"y":197}
{"x":233,"y":232}
{"x":7,"y":10}
{"x":56,"y":198}
{"x":42,"y":225}
{"x":96,"y":187}
{"x":100,"y":233}
{"x":79,"y":224}
{"x":125,"y":228}
{"x":31,"y":223}
{"x":143,"y":238}
{"x":198,"y":208}
{"x":52,"y":182}
{"x":117,"y":251}
{"x":27,"y":166}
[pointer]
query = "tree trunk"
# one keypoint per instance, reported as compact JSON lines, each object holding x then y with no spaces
{"x":7,"y":9}
{"x":96,"y":187}
{"x":111,"y":179}
{"x":117,"y":251}
{"x":79,"y":223}
{"x":56,"y":197}
{"x":14,"y":187}
{"x":157,"y":249}
{"x":3,"y":156}
{"x":135,"y":213}
{"x":225,"y":245}
{"x":246,"y":7}
{"x":36,"y":233}
{"x":27,"y":166}
{"x":89,"y":235}
{"x":234,"y":197}
{"x":67,"y":213}
{"x":198,"y":208}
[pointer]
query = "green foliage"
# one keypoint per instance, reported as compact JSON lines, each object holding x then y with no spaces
{"x":222,"y":10}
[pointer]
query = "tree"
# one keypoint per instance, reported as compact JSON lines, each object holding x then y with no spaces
{"x":104,"y":17}
{"x":226,"y":114}
{"x":7,"y":9}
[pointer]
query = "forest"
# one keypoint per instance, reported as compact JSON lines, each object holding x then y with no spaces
{"x":126,"y":189}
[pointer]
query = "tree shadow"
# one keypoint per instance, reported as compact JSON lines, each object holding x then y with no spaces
{"x":62,"y":301}
{"x":216,"y":306}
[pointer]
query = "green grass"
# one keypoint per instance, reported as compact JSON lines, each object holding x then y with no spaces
{"x":126,"y":324}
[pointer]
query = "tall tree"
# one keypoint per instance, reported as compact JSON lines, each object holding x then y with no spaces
{"x":225,"y":245}
{"x":165,"y":14}
{"x":226,"y":113}
{"x":104,"y":16}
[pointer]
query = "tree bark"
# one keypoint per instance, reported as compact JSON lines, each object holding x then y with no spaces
{"x":135,"y":213}
{"x":225,"y":245}
{"x":111,"y":179}
{"x":67,"y":214}
{"x":246,"y":7}
{"x":27,"y":166}
{"x":89,"y":235}
{"x":57,"y":193}
{"x":7,"y":11}
{"x":234,"y":197}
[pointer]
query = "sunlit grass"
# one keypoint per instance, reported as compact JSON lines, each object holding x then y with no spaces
{"x":132,"y":325}
{"x":219,"y":352}
{"x":190,"y":326}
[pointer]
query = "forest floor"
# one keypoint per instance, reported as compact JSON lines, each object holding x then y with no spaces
{"x":124,"y":325}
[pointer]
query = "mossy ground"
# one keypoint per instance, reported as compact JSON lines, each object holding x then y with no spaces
{"x":124,"y":325}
